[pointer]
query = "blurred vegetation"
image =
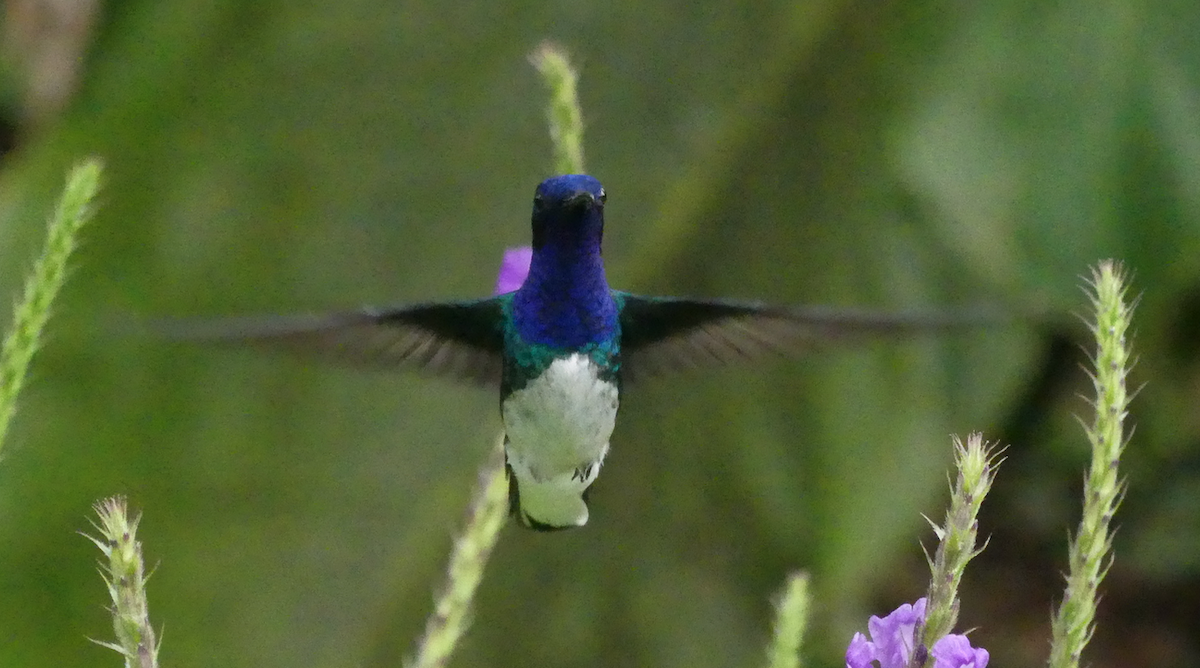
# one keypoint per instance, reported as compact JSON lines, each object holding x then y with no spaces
{"x":282,"y":156}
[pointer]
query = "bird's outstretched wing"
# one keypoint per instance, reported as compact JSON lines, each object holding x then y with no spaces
{"x":664,"y":335}
{"x":457,"y":340}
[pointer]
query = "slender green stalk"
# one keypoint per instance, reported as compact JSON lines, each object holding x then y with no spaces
{"x":124,"y":573}
{"x":485,"y":518}
{"x":566,"y":118}
{"x":489,"y":507}
{"x":43,"y":283}
{"x":1091,"y":547}
{"x":791,"y":619}
{"x":956,"y":539}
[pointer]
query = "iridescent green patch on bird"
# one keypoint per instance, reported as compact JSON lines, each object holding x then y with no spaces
{"x":524,"y":361}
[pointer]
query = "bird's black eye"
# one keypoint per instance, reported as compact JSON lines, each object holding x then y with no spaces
{"x":603,"y":196}
{"x":539,"y":201}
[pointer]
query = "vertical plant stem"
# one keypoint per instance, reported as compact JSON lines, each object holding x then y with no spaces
{"x":489,"y":507}
{"x":485,"y":518}
{"x":1091,"y":547}
{"x":43,"y":284}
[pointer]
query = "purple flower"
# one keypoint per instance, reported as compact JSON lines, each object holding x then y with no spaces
{"x":513,"y":269}
{"x":893,"y":639}
{"x":955,"y":651}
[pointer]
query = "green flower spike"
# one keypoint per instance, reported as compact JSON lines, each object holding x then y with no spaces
{"x":956,"y":540}
{"x":566,"y":118}
{"x":125,"y":574}
{"x":1091,"y":547}
{"x":791,"y":619}
{"x":43,"y":283}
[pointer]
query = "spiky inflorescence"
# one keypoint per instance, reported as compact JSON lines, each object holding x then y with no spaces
{"x":489,"y":508}
{"x":1091,"y":547}
{"x":124,"y":572}
{"x":956,"y":537}
{"x":43,"y":283}
{"x":566,"y":118}
{"x":791,"y":619}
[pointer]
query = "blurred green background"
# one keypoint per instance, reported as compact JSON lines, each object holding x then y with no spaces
{"x":292,"y":156}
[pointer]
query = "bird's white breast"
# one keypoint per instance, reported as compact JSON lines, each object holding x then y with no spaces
{"x":559,"y":424}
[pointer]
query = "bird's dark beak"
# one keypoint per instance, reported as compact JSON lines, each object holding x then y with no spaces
{"x":581,"y":198}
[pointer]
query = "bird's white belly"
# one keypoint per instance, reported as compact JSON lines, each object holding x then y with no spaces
{"x":559,"y":425}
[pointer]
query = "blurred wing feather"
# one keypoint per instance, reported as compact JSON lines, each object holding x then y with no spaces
{"x":460,"y":340}
{"x":664,"y":335}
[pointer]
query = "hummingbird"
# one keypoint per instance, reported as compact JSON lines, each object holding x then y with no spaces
{"x":561,"y":347}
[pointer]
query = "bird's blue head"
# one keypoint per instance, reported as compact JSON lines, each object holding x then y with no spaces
{"x":565,"y":302}
{"x":568,"y":213}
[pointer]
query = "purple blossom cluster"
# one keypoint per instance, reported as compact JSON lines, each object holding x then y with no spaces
{"x":893,"y":642}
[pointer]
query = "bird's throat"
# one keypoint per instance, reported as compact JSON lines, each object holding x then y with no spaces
{"x":565,"y":302}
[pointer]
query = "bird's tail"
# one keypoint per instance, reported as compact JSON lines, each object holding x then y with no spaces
{"x":546,"y":505}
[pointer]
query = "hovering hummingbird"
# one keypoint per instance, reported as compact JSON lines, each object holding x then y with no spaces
{"x":561,"y":346}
